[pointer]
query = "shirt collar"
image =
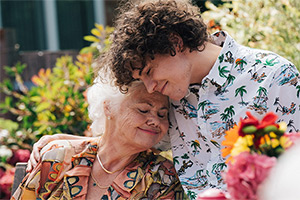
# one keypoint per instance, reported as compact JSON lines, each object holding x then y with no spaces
{"x":226,"y":57}
{"x":126,"y":180}
{"x":134,"y":172}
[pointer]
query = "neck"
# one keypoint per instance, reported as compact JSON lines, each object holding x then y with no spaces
{"x":202,"y":62}
{"x":114,"y":154}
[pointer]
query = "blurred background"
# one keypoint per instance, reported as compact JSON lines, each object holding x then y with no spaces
{"x":36,"y":32}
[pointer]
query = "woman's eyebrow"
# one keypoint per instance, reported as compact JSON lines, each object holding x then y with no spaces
{"x":164,"y":108}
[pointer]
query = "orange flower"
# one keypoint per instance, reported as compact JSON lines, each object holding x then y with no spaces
{"x":230,"y":138}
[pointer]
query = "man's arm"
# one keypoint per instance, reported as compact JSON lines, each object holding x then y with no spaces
{"x":35,"y":154}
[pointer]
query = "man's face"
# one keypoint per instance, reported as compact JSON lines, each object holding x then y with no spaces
{"x":169,"y":75}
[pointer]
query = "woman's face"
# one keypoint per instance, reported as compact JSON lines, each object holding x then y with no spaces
{"x":142,"y":119}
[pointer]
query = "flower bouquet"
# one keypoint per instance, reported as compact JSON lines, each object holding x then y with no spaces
{"x":251,"y":148}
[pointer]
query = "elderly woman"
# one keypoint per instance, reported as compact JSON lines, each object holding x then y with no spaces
{"x":116,"y":165}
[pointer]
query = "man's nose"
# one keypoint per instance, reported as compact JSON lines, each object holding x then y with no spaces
{"x":150,"y":85}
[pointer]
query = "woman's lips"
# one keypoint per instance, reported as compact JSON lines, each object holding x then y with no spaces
{"x":149,"y":131}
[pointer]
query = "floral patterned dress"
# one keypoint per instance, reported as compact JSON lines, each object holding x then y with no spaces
{"x":65,"y":169}
{"x":241,"y":79}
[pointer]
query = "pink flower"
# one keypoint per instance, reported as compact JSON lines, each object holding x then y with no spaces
{"x":294,"y":136}
{"x":246,"y":174}
{"x":6,"y":182}
{"x":213,"y":194}
{"x":21,"y":155}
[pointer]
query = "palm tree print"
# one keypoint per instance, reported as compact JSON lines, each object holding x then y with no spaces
{"x":291,"y":124}
{"x":298,"y":90}
{"x":260,"y":101}
{"x":230,"y":79}
{"x":221,"y":58}
{"x":241,"y":91}
{"x":283,"y":109}
{"x":227,"y":115}
{"x":257,"y":61}
{"x":175,"y":160}
{"x":262,"y":91}
{"x":202,"y":105}
{"x":223,"y":71}
{"x":196,"y":145}
{"x":271,"y":62}
{"x":240,"y":62}
{"x":192,"y":195}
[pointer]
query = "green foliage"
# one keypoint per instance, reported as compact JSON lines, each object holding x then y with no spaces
{"x":99,"y":38}
{"x":57,"y":102}
{"x":264,"y":24}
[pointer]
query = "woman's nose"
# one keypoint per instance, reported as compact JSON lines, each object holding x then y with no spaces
{"x":153,"y":121}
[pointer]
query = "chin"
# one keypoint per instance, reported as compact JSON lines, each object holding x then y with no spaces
{"x":176,"y":98}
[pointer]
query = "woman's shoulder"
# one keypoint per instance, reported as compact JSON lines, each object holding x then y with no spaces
{"x":59,"y":148}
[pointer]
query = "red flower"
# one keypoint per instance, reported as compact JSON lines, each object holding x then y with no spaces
{"x":269,"y":119}
{"x":249,"y":121}
{"x":6,"y":182}
{"x":21,"y":155}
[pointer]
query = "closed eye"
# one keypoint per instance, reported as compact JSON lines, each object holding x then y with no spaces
{"x":162,"y":115}
{"x":143,"y":111}
{"x":148,"y":71}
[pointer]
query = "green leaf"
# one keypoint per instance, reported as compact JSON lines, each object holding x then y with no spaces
{"x":8,"y":125}
{"x":87,"y":50}
{"x":91,"y":38}
{"x":42,"y":106}
{"x":249,"y":129}
{"x":36,"y":99}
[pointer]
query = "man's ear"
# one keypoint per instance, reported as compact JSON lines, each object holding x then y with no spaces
{"x":177,"y":41}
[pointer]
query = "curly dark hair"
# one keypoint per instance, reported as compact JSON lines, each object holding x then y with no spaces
{"x":143,"y":30}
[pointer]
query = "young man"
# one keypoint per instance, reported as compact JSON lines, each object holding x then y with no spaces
{"x":211,"y":80}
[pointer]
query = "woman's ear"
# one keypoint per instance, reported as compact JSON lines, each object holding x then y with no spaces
{"x":107,"y":109}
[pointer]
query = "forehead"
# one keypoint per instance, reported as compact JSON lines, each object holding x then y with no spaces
{"x":139,"y":94}
{"x":153,"y":63}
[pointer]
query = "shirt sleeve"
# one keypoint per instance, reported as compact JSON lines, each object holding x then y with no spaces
{"x":284,"y":94}
{"x":53,"y":155}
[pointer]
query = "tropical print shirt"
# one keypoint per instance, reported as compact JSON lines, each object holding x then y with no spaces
{"x":242,"y":79}
{"x":65,"y":169}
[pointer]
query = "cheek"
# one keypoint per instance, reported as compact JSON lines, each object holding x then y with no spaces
{"x":165,"y":126}
{"x":130,"y":120}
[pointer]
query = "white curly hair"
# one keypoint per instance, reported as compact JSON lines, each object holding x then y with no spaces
{"x":97,"y":94}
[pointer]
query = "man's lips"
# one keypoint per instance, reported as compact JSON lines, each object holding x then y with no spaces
{"x":149,"y":131}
